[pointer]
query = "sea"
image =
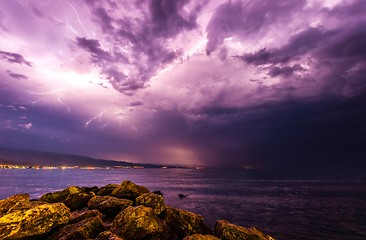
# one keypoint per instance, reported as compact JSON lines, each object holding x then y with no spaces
{"x":287,"y":208}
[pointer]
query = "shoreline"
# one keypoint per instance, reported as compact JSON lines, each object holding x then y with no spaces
{"x":115,"y":211}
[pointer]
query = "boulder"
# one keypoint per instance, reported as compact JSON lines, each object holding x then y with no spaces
{"x":107,"y":190}
{"x":228,"y":231}
{"x":155,"y":201}
{"x":78,"y":201}
{"x":107,"y":235}
{"x":60,"y":196}
{"x":33,"y":223}
{"x":184,"y":223}
{"x":78,"y":216}
{"x":96,"y":200}
{"x":201,"y":237}
{"x":25,"y":205}
{"x":74,"y":197}
{"x":109,"y":206}
{"x":86,"y":229}
{"x":139,"y":223}
{"x":11,"y":202}
{"x":129,"y":190}
{"x":112,"y":206}
{"x":94,"y":189}
{"x":54,"y":197}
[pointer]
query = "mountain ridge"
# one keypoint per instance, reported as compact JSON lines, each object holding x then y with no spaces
{"x":45,"y":158}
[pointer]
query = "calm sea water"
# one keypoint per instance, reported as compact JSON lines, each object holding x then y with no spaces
{"x":286,"y":209}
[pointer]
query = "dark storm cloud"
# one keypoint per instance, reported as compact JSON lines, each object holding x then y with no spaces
{"x":16,"y":75}
{"x":292,"y":96}
{"x":102,"y":17}
{"x":236,"y":18}
{"x":285,"y":70}
{"x":166,"y":20}
{"x":14,"y":58}
{"x":315,"y":134}
{"x":338,"y":56}
{"x":348,"y":10}
{"x":145,"y":35}
{"x":93,"y":46}
{"x":298,"y":45}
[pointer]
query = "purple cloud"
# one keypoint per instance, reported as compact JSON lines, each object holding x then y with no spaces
{"x":233,"y":82}
{"x":14,"y":58}
{"x":236,"y":18}
{"x":16,"y":75}
{"x":94,"y":48}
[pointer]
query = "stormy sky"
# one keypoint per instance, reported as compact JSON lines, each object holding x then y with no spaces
{"x":260,"y":83}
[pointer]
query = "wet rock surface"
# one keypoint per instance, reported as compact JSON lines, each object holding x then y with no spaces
{"x":129,"y":190}
{"x":12,"y":202}
{"x":86,"y":229}
{"x":33,"y":223}
{"x":184,"y":223}
{"x":110,"y":206}
{"x":228,"y":231}
{"x":153,"y":200}
{"x":114,"y":212}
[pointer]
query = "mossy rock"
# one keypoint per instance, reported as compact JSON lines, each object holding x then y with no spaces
{"x":110,"y":206}
{"x":33,"y":223}
{"x":201,"y":237}
{"x":129,"y":190}
{"x":228,"y":231}
{"x":12,"y":202}
{"x":107,"y":190}
{"x":155,"y":201}
{"x":139,"y":223}
{"x":96,"y":200}
{"x":86,"y":229}
{"x":78,"y":201}
{"x":74,"y":197}
{"x":60,"y":196}
{"x":25,"y":205}
{"x":184,"y":223}
{"x":78,"y":216}
{"x":107,"y":235}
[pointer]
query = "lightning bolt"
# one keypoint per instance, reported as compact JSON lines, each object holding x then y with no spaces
{"x":98,"y":116}
{"x":58,"y":92}
{"x":119,"y":115}
{"x":78,"y":18}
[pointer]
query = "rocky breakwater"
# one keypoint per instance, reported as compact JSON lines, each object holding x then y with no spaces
{"x":125,"y":211}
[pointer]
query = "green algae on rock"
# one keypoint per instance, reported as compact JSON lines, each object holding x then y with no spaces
{"x":34,"y":222}
{"x":138,"y":223}
{"x":73,"y":197}
{"x":153,"y":200}
{"x":129,"y":190}
{"x":59,"y":196}
{"x":201,"y":237}
{"x":184,"y":223}
{"x":228,"y":231}
{"x":11,"y":202}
